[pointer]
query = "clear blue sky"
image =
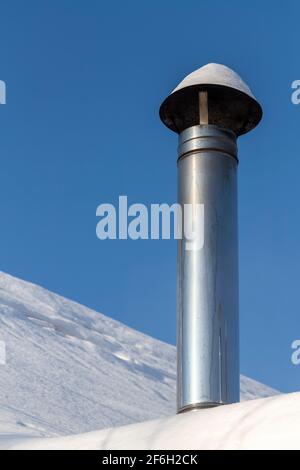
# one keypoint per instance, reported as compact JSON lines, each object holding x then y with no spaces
{"x":84,"y":83}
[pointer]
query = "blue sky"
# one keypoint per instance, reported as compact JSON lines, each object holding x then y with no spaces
{"x":81,"y":126}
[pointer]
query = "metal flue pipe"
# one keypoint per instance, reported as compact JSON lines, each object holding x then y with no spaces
{"x":209,"y":109}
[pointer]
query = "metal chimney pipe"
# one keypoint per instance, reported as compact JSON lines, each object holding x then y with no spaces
{"x":209,"y":109}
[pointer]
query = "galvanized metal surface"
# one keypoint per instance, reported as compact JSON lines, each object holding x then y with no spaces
{"x":208,"y":324}
{"x":231,"y":104}
{"x":210,"y":108}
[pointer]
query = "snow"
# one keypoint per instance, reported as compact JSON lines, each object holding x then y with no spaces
{"x":268,"y":423}
{"x":71,"y":370}
{"x":215,"y":74}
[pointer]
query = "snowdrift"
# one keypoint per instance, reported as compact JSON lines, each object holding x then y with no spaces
{"x":269,"y":423}
{"x":71,"y":370}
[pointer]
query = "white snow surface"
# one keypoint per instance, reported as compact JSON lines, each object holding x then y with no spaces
{"x":215,"y":74}
{"x":71,"y":370}
{"x":266,"y":423}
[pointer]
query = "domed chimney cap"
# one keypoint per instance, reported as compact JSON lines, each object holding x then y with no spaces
{"x":230,"y":102}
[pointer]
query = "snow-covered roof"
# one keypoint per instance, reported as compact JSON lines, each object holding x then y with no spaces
{"x":71,"y":370}
{"x":269,"y":423}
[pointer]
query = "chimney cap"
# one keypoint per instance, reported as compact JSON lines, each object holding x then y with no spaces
{"x":231,"y":104}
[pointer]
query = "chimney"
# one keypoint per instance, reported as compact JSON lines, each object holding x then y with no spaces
{"x":209,"y":109}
